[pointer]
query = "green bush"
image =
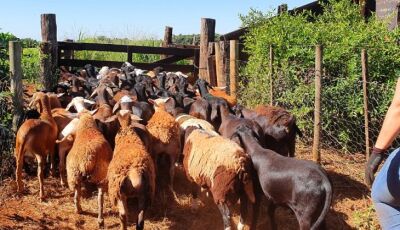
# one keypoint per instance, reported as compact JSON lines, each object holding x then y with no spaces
{"x":343,"y":33}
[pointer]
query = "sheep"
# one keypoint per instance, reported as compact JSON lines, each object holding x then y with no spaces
{"x":303,"y":185}
{"x":65,"y":142}
{"x":139,"y":108}
{"x":165,"y":134}
{"x":36,"y":137}
{"x":220,"y":92}
{"x":221,"y":166}
{"x":279,"y":127}
{"x":131,"y":173}
{"x":104,"y":110}
{"x":88,"y":160}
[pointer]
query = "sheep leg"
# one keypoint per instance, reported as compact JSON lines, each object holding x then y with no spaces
{"x":195,"y":192}
{"x":243,"y":212}
{"x":100,"y":201}
{"x":271,"y":214}
{"x":123,"y":209}
{"x":172,"y":173}
{"x":140,"y":218}
{"x":61,"y":167}
{"x":226,"y":215}
{"x":77,"y":199}
{"x":40,"y":176}
{"x":18,"y":172}
{"x":52,"y":168}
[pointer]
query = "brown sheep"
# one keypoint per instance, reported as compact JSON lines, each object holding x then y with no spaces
{"x":221,"y":166}
{"x":36,"y":137}
{"x":165,"y":133}
{"x":88,"y":160}
{"x":131,"y":173}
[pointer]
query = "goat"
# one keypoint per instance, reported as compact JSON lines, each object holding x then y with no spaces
{"x":302,"y":185}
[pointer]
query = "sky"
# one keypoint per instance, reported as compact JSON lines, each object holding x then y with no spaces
{"x":128,"y":18}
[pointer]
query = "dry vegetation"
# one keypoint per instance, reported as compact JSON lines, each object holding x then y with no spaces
{"x":351,"y":209}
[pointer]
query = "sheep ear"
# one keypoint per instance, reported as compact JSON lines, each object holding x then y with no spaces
{"x":60,"y":95}
{"x":116,"y":106}
{"x":235,"y":138}
{"x":110,"y":91}
{"x":214,"y":112}
{"x":93,"y":94}
{"x":135,"y":118}
{"x":89,"y":101}
{"x":69,"y":105}
{"x":151,"y":101}
{"x":93,"y":112}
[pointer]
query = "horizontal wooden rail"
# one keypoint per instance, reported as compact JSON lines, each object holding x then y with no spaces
{"x":127,"y":48}
{"x":117,"y":64}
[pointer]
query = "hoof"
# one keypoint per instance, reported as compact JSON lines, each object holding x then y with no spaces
{"x":101,"y":223}
{"x":240,"y":226}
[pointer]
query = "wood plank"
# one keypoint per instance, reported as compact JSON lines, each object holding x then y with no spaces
{"x":125,"y":48}
{"x":171,"y":59}
{"x":117,"y":64}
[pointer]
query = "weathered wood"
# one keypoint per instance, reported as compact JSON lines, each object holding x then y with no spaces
{"x":66,"y":54}
{"x":212,"y":70}
{"x":196,"y":61}
{"x":15,"y":53}
{"x":283,"y":8}
{"x":211,"y":48}
{"x":117,"y":64}
{"x":317,"y":104}
{"x":219,"y":64}
{"x":49,"y":27}
{"x":167,"y":39}
{"x":171,"y":59}
{"x":364,"y":66}
{"x":123,"y":48}
{"x":233,"y":66}
{"x":271,"y":75}
{"x":207,"y":34}
{"x":49,"y":50}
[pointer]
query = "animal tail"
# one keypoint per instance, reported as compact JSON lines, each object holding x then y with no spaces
{"x":133,"y":183}
{"x":327,"y":205}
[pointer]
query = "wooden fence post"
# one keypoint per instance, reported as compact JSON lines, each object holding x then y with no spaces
{"x":271,"y":75}
{"x":364,"y":64}
{"x":167,"y":39}
{"x":15,"y":52}
{"x":67,"y":54}
{"x":233,"y":66}
{"x":219,"y":62}
{"x":317,"y":104}
{"x":207,"y":34}
{"x":49,"y":50}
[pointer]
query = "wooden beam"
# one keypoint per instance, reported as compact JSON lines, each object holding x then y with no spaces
{"x":207,"y":34}
{"x":219,"y":64}
{"x":317,"y":104}
{"x":49,"y":50}
{"x":171,"y":59}
{"x":212,"y":70}
{"x":123,"y":48}
{"x":15,"y":53}
{"x":117,"y":64}
{"x":233,"y":66}
{"x":364,"y":65}
{"x":167,"y":36}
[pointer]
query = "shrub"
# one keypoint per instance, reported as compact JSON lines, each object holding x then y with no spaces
{"x":343,"y":33}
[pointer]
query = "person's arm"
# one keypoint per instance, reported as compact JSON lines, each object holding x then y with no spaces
{"x":389,"y":131}
{"x":391,"y":125}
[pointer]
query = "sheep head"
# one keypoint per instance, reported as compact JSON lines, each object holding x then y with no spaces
{"x":160,"y":103}
{"x":41,"y":99}
{"x":125,"y":118}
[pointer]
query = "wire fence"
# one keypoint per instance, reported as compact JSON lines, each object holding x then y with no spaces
{"x":7,"y":136}
{"x":342,"y":113}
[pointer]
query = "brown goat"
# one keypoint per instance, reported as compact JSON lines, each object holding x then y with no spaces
{"x":36,"y":137}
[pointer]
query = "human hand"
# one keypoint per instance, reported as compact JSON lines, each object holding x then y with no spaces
{"x":375,"y":159}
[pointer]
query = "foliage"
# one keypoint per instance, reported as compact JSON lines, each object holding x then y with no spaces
{"x":4,"y":65}
{"x":31,"y":64}
{"x":343,"y":33}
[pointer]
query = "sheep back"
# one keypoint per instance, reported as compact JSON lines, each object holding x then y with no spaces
{"x":130,"y":154}
{"x":90,"y":154}
{"x":163,"y":127}
{"x":215,"y":162}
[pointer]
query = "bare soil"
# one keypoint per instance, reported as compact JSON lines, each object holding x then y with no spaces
{"x":351,"y":207}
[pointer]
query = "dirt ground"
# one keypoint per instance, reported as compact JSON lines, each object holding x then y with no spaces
{"x":351,"y":207}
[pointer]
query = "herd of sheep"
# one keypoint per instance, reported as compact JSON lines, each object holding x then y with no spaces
{"x":114,"y":127}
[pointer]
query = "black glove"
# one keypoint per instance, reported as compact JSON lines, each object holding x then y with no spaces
{"x":375,"y":159}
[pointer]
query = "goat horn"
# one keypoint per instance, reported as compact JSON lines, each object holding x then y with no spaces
{"x":89,"y":101}
{"x":93,"y":94}
{"x":135,"y":118}
{"x":116,"y":106}
{"x":69,"y":105}
{"x":93,"y":112}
